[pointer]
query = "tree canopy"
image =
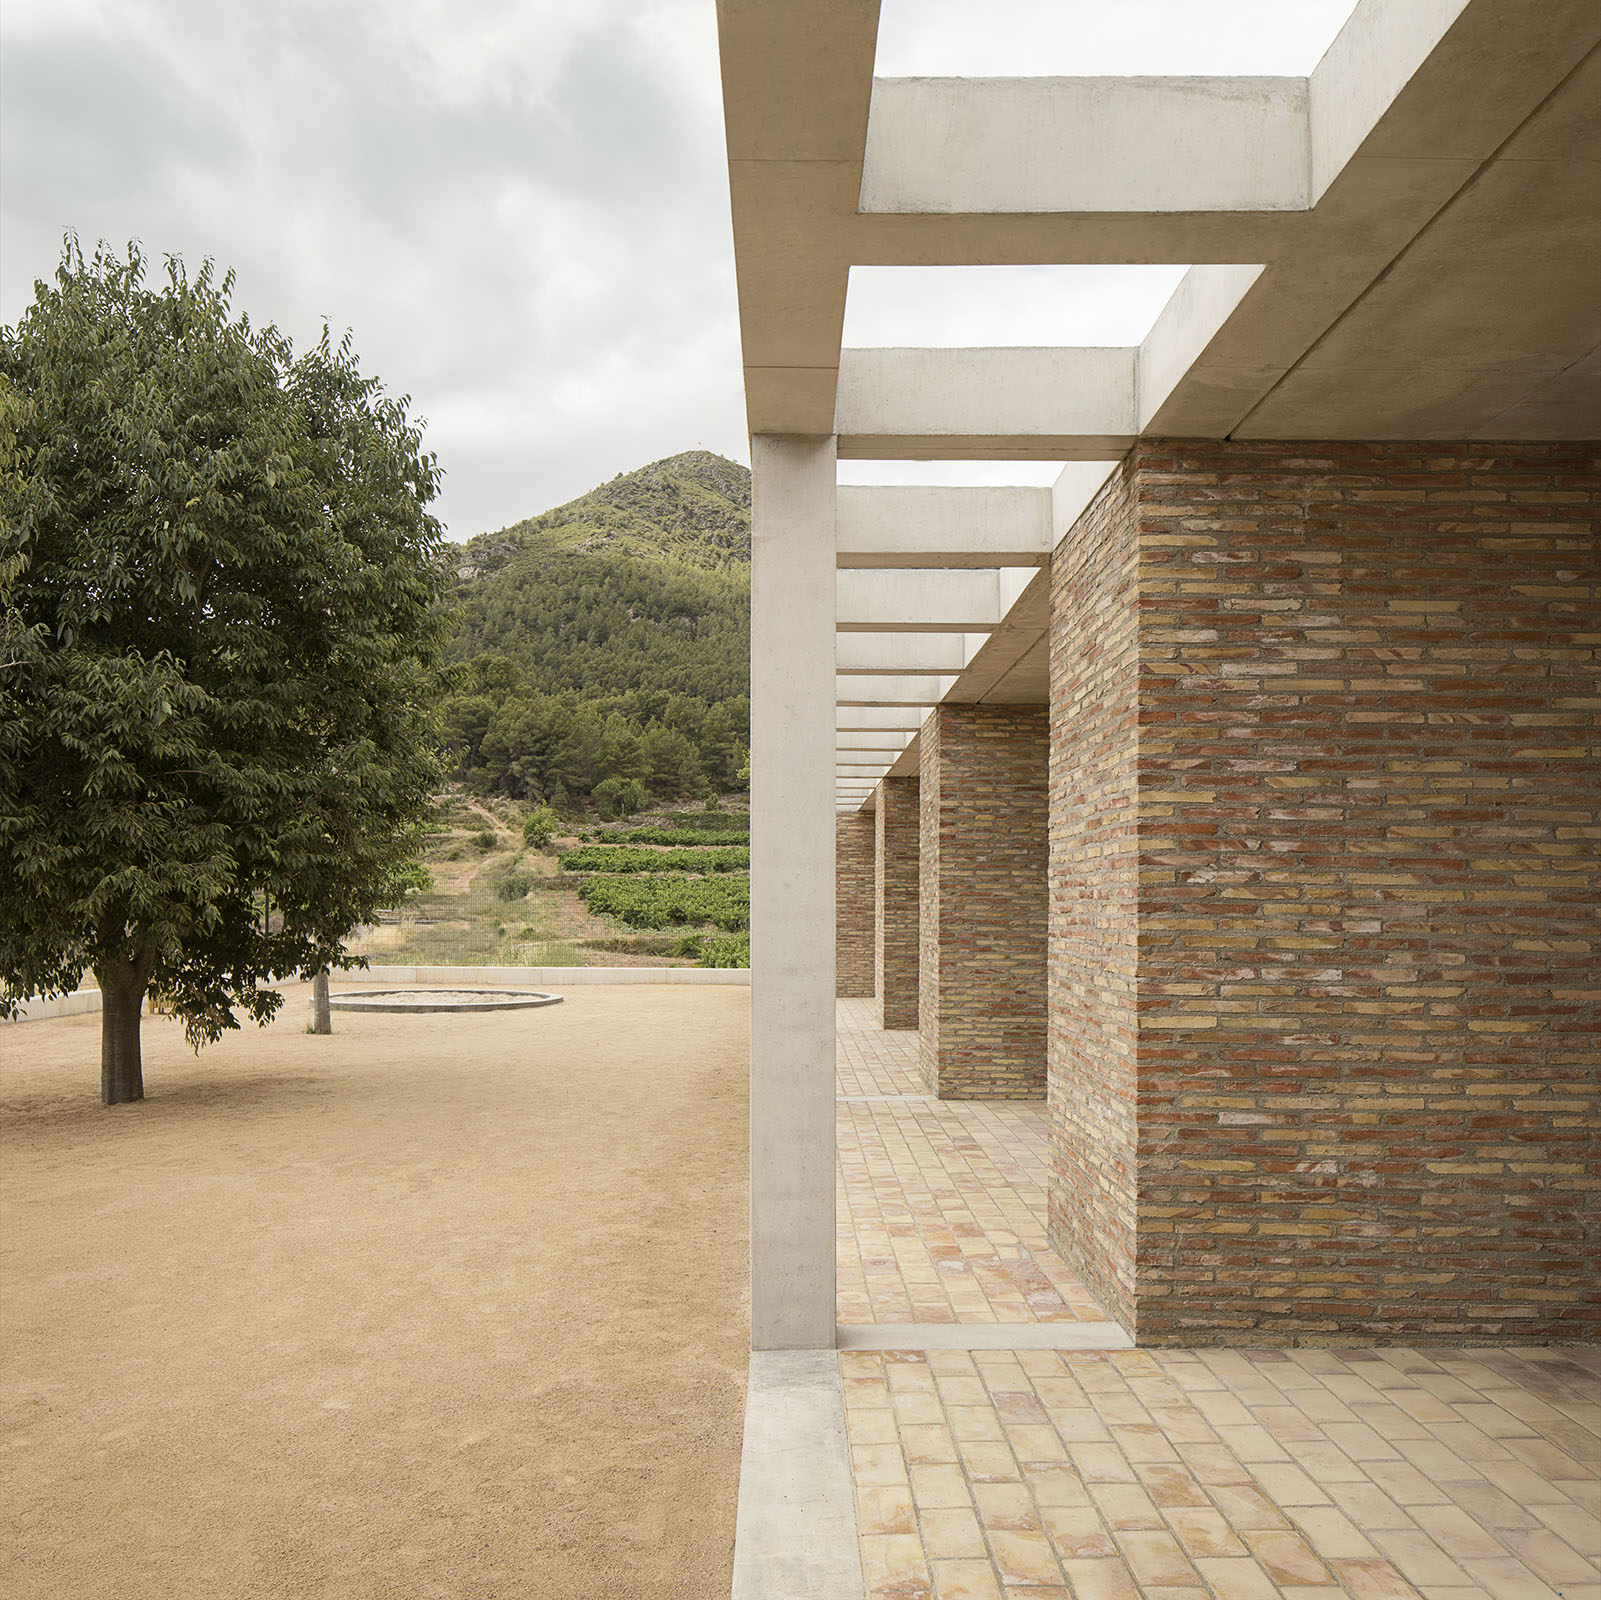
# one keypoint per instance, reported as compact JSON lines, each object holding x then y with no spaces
{"x":219,"y":639}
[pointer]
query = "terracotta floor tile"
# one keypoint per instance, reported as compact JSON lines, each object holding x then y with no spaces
{"x":940,"y":1488}
{"x":1156,"y":1559}
{"x":1458,"y":1534}
{"x":1025,"y":1558}
{"x":1372,"y":1580}
{"x":950,"y":1535}
{"x":965,"y":1580}
{"x":1286,"y":1485}
{"x":1331,"y":1533}
{"x":1008,"y":1506}
{"x":1417,"y":1557}
{"x":928,"y":1443}
{"x":1552,"y":1558}
{"x":1286,"y":1557}
{"x":1406,"y":1485}
{"x":885,"y":1511}
{"x":989,"y":1463}
{"x":1213,"y":1465}
{"x":1368,"y":1506}
{"x":1101,"y":1463}
{"x":1506,"y":1578}
{"x":892,"y":1564}
{"x":1236,"y":1579}
{"x":1204,"y":1532}
{"x":1125,"y":1505}
{"x":1171,"y":1486}
{"x":1055,"y":1484}
{"x":1077,"y":1532}
{"x":1579,"y":1527}
{"x":878,"y":1466}
{"x":1100,"y":1580}
{"x":1248,"y":1508}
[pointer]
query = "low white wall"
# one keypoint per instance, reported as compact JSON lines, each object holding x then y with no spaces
{"x":540,"y":977}
{"x":65,"y":1005}
{"x":86,"y":1000}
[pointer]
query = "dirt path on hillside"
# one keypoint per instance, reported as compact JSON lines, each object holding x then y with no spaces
{"x":441,"y":1306}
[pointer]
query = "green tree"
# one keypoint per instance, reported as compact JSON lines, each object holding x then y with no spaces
{"x":219,"y":590}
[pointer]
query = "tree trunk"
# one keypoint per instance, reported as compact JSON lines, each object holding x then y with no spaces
{"x":321,"y":1013}
{"x":122,"y":992}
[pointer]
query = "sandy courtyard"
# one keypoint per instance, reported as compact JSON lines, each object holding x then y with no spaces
{"x":441,"y":1306}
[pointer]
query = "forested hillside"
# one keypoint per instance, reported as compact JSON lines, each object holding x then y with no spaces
{"x":605,"y":646}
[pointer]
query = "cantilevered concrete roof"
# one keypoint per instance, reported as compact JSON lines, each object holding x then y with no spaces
{"x":1402,"y":245}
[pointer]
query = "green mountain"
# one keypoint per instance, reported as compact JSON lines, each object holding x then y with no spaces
{"x":609,"y":639}
{"x":694,"y":508}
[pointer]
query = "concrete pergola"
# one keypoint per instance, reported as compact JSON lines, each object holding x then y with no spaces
{"x":1400,"y":246}
{"x":1370,"y":255}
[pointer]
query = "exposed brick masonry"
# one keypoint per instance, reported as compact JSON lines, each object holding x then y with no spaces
{"x":853,"y":905}
{"x":1094,"y":897}
{"x":981,"y":1002}
{"x":1367,"y":976}
{"x":895,"y":929}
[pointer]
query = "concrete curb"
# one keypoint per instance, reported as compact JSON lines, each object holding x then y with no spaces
{"x":795,"y":1538}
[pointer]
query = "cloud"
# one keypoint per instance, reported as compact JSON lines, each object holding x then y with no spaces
{"x":520,"y":209}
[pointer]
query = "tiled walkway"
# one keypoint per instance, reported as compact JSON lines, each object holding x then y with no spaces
{"x":1246,"y":1475}
{"x":1379,"y":1474}
{"x":941,"y":1203}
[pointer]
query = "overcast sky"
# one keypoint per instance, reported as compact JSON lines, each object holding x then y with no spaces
{"x":520,"y":206}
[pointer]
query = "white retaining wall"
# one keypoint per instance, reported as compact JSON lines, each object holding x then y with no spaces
{"x":86,"y":1000}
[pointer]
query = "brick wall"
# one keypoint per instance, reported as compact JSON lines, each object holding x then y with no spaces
{"x":1367,"y":904}
{"x":895,"y":926}
{"x":981,"y":990}
{"x":1093,"y":893}
{"x":853,"y":905}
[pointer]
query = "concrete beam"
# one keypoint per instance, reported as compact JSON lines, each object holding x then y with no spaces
{"x":926,"y":600}
{"x":943,"y":527}
{"x":954,"y":146}
{"x":872,"y":691}
{"x":891,"y":741}
{"x":872,"y":719}
{"x":1003,"y":403}
{"x":902,"y":653}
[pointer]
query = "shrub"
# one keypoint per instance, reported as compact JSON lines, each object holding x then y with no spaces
{"x":649,"y":901}
{"x":730,"y":951}
{"x":618,"y":797}
{"x":514,"y":886}
{"x":671,"y":836}
{"x":618,"y":858}
{"x":540,"y":826}
{"x":486,"y":840}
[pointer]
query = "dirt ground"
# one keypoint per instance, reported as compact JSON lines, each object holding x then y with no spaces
{"x":441,"y":1306}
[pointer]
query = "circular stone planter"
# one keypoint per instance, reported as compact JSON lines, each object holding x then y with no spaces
{"x":441,"y":1000}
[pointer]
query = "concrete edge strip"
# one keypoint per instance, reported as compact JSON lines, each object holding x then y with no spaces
{"x":83,"y":1001}
{"x":795,"y":1535}
{"x":982,"y":1336}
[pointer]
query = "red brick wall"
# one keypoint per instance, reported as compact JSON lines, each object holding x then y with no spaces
{"x":853,"y":905}
{"x":895,"y":927}
{"x":1367,"y":909}
{"x":981,"y":1006}
{"x":1093,"y":898}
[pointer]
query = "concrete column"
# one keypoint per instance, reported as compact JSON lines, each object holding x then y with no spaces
{"x":792,"y":893}
{"x":853,"y":905}
{"x":982,"y":902}
{"x":896,"y":823}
